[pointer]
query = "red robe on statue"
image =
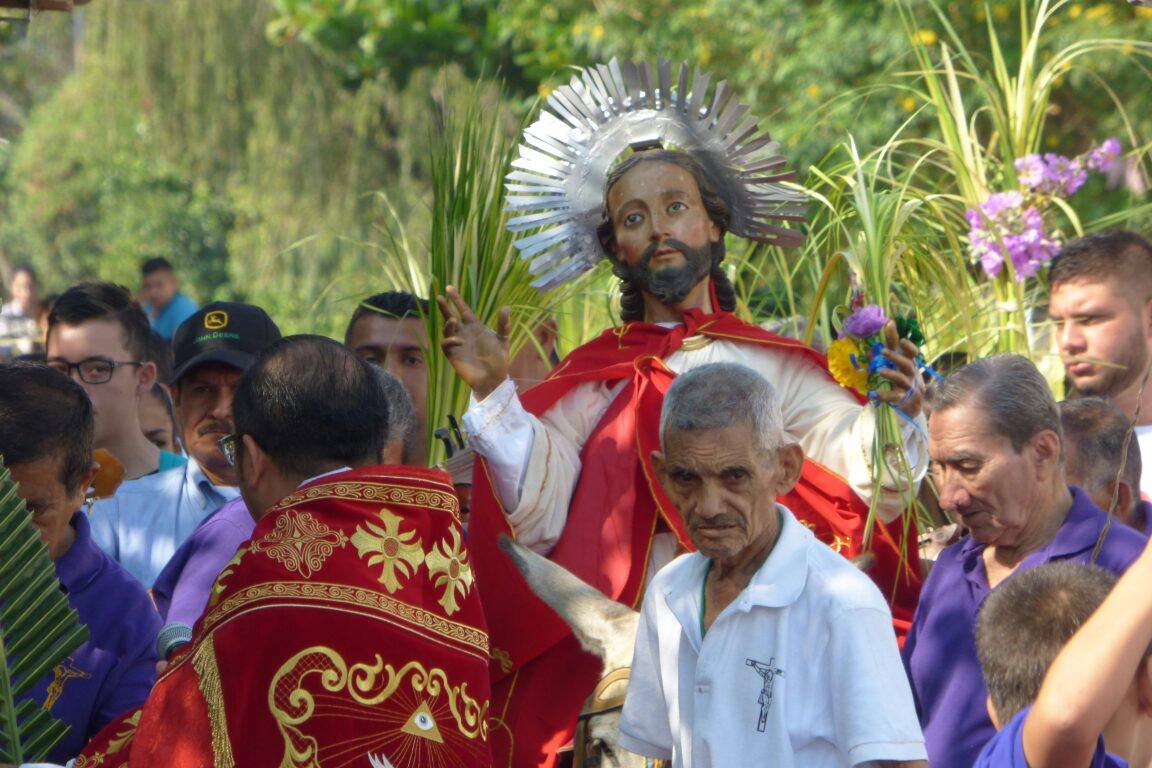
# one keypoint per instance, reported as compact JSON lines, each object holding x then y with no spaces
{"x":346,"y":632}
{"x":540,"y":675}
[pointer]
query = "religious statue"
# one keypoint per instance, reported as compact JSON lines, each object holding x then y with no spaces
{"x":651,"y":174}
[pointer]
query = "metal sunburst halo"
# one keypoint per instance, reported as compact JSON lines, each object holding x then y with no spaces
{"x":556,"y":187}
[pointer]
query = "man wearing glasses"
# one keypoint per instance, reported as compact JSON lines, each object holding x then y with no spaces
{"x":99,"y":336}
{"x":147,"y":520}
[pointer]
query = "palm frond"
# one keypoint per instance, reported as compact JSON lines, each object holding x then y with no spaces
{"x":38,"y":629}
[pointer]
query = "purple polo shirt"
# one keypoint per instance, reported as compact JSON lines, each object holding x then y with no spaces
{"x":182,"y":589}
{"x":1146,"y":511}
{"x":113,"y":671}
{"x":1006,"y":749}
{"x":940,"y":652}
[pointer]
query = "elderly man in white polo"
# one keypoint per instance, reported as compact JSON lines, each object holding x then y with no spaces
{"x":764,"y":647}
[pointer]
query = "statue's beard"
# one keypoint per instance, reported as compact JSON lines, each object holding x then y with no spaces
{"x":669,"y":285}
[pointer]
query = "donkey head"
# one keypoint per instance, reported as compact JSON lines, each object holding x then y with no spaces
{"x":606,"y":629}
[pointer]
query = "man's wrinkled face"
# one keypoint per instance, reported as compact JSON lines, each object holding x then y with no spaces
{"x":115,"y":402}
{"x":1103,"y":335}
{"x":724,"y":486}
{"x":204,"y":410}
{"x":664,"y":236}
{"x":983,"y":482}
{"x":399,"y":347}
{"x":159,"y":288}
{"x":50,"y":502}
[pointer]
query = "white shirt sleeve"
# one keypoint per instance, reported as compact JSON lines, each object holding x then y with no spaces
{"x":872,"y":705}
{"x":535,"y":462}
{"x":644,"y":725}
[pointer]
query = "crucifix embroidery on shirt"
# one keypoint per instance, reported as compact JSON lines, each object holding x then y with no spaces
{"x":768,"y":673}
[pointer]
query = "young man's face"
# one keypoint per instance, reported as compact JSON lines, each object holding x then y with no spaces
{"x":1102,"y":331}
{"x":399,"y":347}
{"x":158,"y":288}
{"x":50,"y":502}
{"x":114,"y":402}
{"x":204,"y":410}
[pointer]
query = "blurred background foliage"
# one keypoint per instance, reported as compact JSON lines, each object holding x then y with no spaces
{"x":252,"y":142}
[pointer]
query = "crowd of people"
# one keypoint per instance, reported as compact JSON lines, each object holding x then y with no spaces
{"x":270,"y":575}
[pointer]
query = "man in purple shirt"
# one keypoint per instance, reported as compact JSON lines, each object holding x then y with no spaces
{"x":1095,"y":433}
{"x":46,"y":441}
{"x":995,"y":442}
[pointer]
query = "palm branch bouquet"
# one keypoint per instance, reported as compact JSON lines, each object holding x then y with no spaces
{"x":867,"y":217}
{"x":469,"y":245}
{"x":38,"y":629}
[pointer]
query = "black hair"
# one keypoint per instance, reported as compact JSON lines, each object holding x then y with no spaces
{"x":396,"y":305}
{"x":155,"y":264}
{"x":1098,"y":428}
{"x":1026,"y":621}
{"x":27,"y":269}
{"x":1116,"y":254}
{"x":160,"y":353}
{"x":44,"y":414}
{"x":309,"y":402}
{"x":631,"y":299}
{"x":104,"y":301}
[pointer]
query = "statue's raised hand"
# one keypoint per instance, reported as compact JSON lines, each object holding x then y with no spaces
{"x":479,"y":354}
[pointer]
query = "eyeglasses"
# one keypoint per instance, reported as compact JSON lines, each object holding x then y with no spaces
{"x":228,"y":446}
{"x":93,"y":370}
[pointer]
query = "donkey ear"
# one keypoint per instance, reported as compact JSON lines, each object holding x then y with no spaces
{"x":604,"y":627}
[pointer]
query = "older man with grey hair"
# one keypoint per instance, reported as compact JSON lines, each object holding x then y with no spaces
{"x":764,"y":647}
{"x":995,"y":440}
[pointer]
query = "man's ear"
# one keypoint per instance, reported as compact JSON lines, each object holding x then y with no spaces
{"x":145,"y":378}
{"x":1046,"y":448}
{"x":659,"y":467}
{"x":1125,"y":502}
{"x":789,"y":462}
{"x":546,"y":332}
{"x":992,"y":715}
{"x":1144,"y":687}
{"x":86,"y":483}
{"x":256,"y":463}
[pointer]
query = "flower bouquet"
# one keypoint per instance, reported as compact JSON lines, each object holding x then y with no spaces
{"x":856,"y":359}
{"x":1010,"y":234}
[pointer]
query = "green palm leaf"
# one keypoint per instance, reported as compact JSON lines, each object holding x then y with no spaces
{"x":38,"y":629}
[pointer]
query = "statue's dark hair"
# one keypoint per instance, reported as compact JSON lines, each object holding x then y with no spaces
{"x":631,"y":300}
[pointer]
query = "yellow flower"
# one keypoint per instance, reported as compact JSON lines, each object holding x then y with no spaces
{"x":848,"y":366}
{"x":1075,"y":10}
{"x":1001,"y":12}
{"x":448,"y":566}
{"x":908,"y":104}
{"x":1144,"y":12}
{"x":814,"y":90}
{"x":396,"y":552}
{"x":926,"y":37}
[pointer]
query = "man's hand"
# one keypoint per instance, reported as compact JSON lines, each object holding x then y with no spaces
{"x":479,"y":354}
{"x":906,"y":393}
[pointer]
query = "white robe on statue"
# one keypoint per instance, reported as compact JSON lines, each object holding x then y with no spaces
{"x":535,"y":462}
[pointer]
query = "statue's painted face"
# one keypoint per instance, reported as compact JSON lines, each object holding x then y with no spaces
{"x":663,"y":234}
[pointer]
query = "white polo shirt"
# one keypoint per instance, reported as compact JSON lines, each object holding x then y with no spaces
{"x":800,"y":671}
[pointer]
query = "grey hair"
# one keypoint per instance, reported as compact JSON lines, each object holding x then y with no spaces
{"x":402,"y":424}
{"x":720,"y":395}
{"x":1008,"y":389}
